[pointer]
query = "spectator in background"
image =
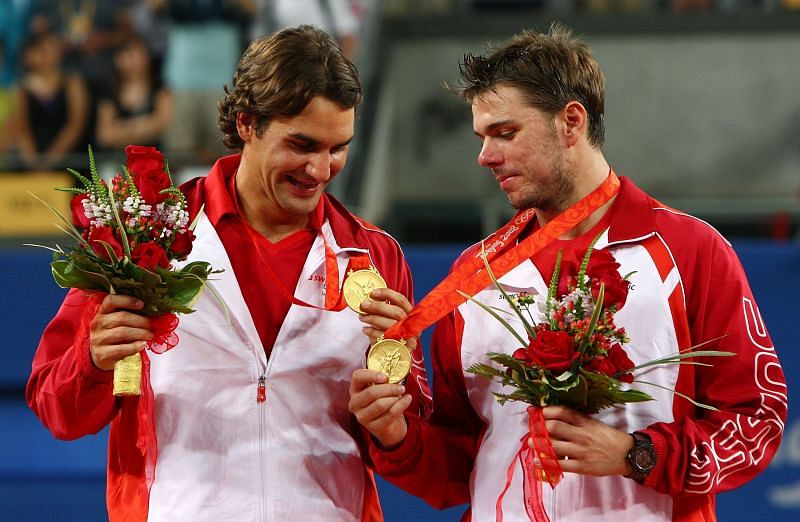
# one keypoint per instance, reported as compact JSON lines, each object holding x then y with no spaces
{"x":138,"y":108}
{"x":52,"y":106}
{"x":6,"y":99}
{"x":91,"y":30}
{"x":204,"y":45}
{"x":14,"y":15}
{"x":150,"y":20}
{"x":340,"y":18}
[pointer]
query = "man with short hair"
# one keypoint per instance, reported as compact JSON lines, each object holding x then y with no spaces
{"x":537,"y":105}
{"x":249,"y":411}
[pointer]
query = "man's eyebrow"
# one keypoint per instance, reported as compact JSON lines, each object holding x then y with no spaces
{"x":312,"y":142}
{"x":299,"y":136}
{"x":495,"y":125}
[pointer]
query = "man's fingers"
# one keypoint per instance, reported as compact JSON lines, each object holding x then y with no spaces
{"x":363,"y":378}
{"x":393,"y":408}
{"x":107,"y":356}
{"x":114,"y":302}
{"x":360,"y":400}
{"x":392,"y":297}
{"x":122,"y":335}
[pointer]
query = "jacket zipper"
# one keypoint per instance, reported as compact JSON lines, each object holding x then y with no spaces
{"x":261,"y":394}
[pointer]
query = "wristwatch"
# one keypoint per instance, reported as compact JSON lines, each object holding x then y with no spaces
{"x":641,"y":457}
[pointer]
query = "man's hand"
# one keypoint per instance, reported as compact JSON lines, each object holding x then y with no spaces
{"x":116,"y":333}
{"x":379,"y":406}
{"x":586,"y":445}
{"x":384,"y":308}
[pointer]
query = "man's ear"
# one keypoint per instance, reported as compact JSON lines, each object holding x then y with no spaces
{"x":575,"y":121}
{"x":244,"y":126}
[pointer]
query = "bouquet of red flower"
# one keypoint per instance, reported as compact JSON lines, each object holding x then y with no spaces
{"x":574,"y":353}
{"x":126,"y":236}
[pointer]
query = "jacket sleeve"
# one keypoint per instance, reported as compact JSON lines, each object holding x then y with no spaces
{"x":66,"y":391}
{"x":705,"y":451}
{"x":435,"y":460}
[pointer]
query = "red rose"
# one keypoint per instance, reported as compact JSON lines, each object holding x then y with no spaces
{"x":616,"y":361}
{"x":149,"y":255}
{"x":79,"y":217}
{"x":554,"y":351}
{"x":144,"y":159}
{"x":98,"y":236}
{"x":146,"y":165}
{"x":182,"y":244}
{"x":604,"y":269}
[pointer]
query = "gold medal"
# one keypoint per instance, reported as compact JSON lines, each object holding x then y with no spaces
{"x":390,"y":357}
{"x":358,"y":285}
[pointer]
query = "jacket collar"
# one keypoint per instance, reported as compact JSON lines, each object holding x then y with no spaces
{"x":632,"y":217}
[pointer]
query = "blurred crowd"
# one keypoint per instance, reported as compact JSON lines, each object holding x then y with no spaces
{"x":150,"y":72}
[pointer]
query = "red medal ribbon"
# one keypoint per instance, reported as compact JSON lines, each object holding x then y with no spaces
{"x":539,"y":463}
{"x":471,"y":277}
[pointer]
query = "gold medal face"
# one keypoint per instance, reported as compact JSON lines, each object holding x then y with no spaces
{"x":358,"y":285}
{"x":390,"y":357}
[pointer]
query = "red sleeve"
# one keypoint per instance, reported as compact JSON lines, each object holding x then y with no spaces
{"x":66,"y":391}
{"x":707,"y":452}
{"x":435,"y":460}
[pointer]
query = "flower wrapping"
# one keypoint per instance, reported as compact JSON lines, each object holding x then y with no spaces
{"x":127,"y":236}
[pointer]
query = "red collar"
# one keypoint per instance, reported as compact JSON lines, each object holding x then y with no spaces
{"x":631,"y":217}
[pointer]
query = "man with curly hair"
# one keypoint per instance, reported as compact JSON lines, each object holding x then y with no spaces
{"x":250,"y":409}
{"x":537,"y":106}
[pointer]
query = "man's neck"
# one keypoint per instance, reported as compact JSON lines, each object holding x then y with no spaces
{"x":271,"y":224}
{"x":590,"y":175}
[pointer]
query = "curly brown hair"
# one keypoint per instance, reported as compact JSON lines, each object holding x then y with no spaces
{"x":550,"y":69}
{"x":280,"y":74}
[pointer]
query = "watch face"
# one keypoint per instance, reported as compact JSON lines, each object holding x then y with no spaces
{"x":644,"y":458}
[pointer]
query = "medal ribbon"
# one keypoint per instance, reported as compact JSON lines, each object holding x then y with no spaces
{"x":471,"y":277}
{"x":538,"y":464}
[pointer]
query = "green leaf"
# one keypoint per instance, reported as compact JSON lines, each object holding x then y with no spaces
{"x":553,"y":287}
{"x":598,"y":308}
{"x":528,"y":328}
{"x":586,"y":256}
{"x":68,"y":275}
{"x":574,"y":395}
{"x":126,"y":246}
{"x":679,"y":394}
{"x":494,"y":314}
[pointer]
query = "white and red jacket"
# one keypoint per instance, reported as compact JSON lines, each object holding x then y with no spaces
{"x":213,"y":451}
{"x":688,"y":287}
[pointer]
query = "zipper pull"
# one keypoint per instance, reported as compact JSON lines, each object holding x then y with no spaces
{"x":262,"y":389}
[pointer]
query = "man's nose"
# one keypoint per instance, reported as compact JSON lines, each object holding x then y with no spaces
{"x":319,"y":167}
{"x":489,"y":157}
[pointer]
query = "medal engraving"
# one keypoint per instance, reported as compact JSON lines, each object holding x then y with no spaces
{"x":390,"y":357}
{"x":358,"y":285}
